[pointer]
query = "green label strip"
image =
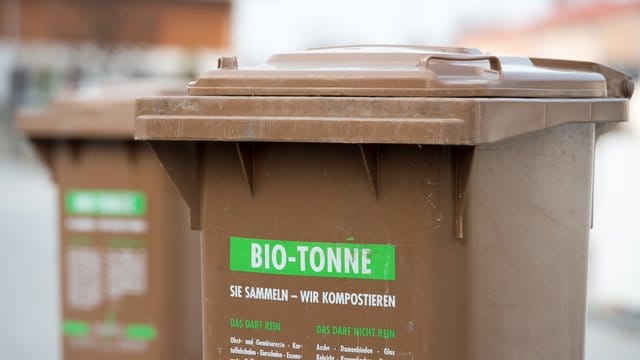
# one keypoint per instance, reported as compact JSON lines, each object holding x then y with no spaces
{"x":126,"y":243}
{"x":315,"y":259}
{"x":75,"y":328}
{"x":140,"y":332}
{"x":137,"y":332}
{"x":79,"y":241}
{"x":105,"y":203}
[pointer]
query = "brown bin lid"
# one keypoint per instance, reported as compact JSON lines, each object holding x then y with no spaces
{"x":405,"y":71}
{"x":101,"y":111}
{"x":386,"y":94}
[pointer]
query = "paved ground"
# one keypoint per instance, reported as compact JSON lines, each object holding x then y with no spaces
{"x":29,"y":317}
{"x":612,"y":335}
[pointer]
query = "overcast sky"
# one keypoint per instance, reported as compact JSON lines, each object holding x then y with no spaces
{"x":262,"y":27}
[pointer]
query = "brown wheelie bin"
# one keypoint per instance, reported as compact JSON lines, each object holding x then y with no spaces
{"x":129,"y":262}
{"x":392,"y":202}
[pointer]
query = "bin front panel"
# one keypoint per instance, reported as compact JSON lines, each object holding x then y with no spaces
{"x":129,"y":290}
{"x":277,"y":282}
{"x":315,"y":265}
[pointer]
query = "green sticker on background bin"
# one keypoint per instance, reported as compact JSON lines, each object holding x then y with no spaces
{"x":316,"y":259}
{"x":140,"y":332}
{"x":105,"y":202}
{"x":75,"y":328}
{"x":126,"y":243}
{"x":79,"y":241}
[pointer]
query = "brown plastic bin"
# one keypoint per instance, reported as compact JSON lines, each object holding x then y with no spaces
{"x":129,"y":262}
{"x":390,"y":202}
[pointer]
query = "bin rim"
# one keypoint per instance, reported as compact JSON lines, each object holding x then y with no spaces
{"x":102,"y":111}
{"x":437,"y":121}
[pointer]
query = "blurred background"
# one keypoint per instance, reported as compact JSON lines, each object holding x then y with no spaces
{"x":48,"y":46}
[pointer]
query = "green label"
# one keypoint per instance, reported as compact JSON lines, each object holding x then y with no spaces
{"x":75,"y":328}
{"x":126,"y":243}
{"x":79,"y":241}
{"x":317,"y":259}
{"x":140,"y":332}
{"x":105,"y":203}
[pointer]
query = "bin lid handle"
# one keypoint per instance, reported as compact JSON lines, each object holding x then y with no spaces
{"x":494,"y":61}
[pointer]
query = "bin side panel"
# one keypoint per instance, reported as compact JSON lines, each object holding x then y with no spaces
{"x":528,"y":219}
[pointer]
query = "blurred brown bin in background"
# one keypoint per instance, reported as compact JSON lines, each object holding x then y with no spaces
{"x":129,"y":262}
{"x":390,"y":202}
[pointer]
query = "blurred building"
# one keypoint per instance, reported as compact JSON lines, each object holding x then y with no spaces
{"x":607,"y":32}
{"x":185,"y":23}
{"x":46,"y":45}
